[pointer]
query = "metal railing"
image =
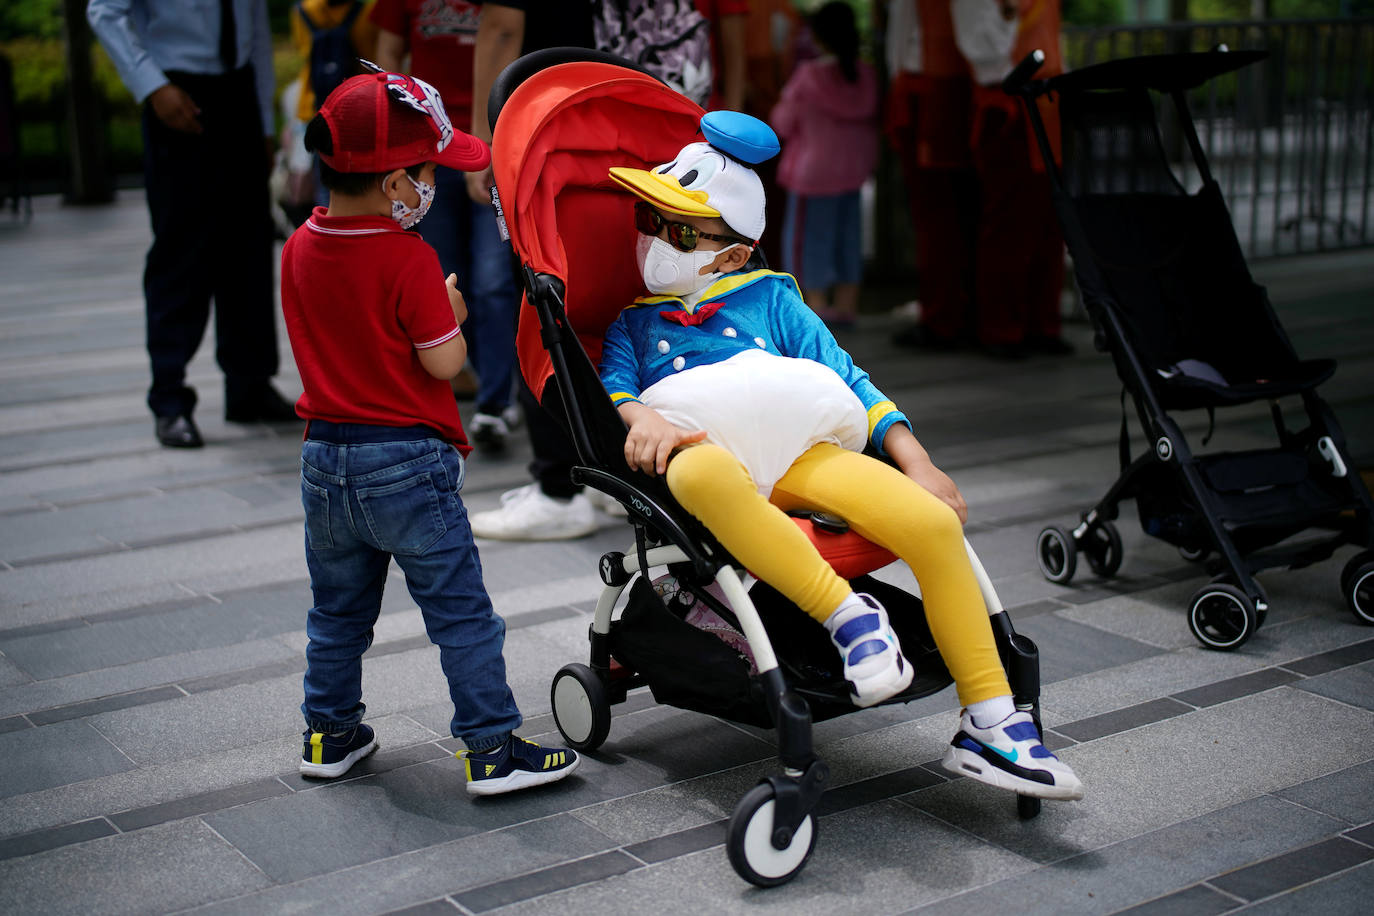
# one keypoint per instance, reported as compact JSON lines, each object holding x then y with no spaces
{"x":1289,"y":139}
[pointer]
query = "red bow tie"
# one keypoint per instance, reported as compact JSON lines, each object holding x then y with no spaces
{"x":687,"y":319}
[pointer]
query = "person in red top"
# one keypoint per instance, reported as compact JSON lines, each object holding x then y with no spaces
{"x":440,"y":37}
{"x":376,"y":332}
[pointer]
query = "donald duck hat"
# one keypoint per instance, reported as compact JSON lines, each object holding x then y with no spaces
{"x":712,"y":178}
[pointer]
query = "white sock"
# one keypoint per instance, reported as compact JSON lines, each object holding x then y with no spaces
{"x":986,"y":713}
{"x":851,"y":600}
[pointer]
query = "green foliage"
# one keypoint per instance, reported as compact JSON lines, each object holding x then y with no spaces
{"x":1092,"y":12}
{"x":30,"y":19}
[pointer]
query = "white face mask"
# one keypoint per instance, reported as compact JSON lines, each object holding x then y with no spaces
{"x":670,"y":272}
{"x":409,"y":216}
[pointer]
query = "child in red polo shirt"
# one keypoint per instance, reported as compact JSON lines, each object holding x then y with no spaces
{"x":376,"y":334}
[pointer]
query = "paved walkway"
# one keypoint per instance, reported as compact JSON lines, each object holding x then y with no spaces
{"x":152,"y":606}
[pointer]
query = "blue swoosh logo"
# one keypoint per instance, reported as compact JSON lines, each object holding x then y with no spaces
{"x":1009,"y":756}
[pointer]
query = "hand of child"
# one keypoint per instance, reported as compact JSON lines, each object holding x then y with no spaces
{"x":938,"y":483}
{"x":455,"y":299}
{"x":652,"y":440}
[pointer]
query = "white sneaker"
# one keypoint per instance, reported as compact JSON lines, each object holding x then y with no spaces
{"x":1009,"y":755}
{"x":873,"y":662}
{"x":605,"y":503}
{"x":489,"y":431}
{"x":526,"y":514}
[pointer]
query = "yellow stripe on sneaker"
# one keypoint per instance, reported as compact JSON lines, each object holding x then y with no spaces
{"x":317,"y":747}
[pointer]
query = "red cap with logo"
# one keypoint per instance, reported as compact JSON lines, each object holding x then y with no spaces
{"x":384,"y":121}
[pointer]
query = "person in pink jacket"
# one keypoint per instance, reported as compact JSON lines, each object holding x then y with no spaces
{"x":827,"y":119}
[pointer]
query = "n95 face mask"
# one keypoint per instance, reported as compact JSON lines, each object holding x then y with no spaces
{"x":670,"y":272}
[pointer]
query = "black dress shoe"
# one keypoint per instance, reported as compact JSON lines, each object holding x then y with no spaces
{"x":178,"y":432}
{"x":265,"y":406}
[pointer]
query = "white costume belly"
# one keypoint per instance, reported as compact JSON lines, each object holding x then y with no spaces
{"x":764,"y":409}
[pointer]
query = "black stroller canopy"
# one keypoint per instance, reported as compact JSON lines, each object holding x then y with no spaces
{"x":1160,"y":72}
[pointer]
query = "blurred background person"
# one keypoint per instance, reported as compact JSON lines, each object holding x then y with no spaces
{"x":827,"y":120}
{"x":207,"y":86}
{"x":440,"y":37}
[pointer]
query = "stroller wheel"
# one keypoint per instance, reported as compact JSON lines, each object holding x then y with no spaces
{"x":749,"y":841}
{"x":1222,"y":617}
{"x":1057,"y":554}
{"x":1357,"y":583}
{"x":580,"y":708}
{"x":1193,"y":554}
{"x":1103,"y":547}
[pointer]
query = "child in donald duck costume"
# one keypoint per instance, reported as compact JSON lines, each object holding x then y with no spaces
{"x":737,"y":393}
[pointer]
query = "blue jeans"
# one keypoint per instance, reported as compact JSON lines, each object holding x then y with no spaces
{"x":464,"y":235}
{"x":372,"y":493}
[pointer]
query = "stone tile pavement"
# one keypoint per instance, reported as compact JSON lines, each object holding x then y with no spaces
{"x":152,"y":608}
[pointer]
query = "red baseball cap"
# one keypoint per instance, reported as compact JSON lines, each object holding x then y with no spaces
{"x":383,"y":121}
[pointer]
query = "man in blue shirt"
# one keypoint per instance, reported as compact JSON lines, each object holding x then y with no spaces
{"x":203,"y":69}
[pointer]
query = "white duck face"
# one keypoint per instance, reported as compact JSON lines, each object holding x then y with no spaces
{"x":721,"y":183}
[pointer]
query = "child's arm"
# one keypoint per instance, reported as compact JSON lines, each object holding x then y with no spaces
{"x":446,"y":360}
{"x":912,"y":458}
{"x":652,"y":439}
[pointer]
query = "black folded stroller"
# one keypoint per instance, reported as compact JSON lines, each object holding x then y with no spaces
{"x":1164,"y":281}
{"x":561,"y":118}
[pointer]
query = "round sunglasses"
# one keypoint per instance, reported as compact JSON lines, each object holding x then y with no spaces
{"x":682,"y":236}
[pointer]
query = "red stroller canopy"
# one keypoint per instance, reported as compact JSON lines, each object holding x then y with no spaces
{"x":555,"y":139}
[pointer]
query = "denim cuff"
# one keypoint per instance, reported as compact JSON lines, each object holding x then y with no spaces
{"x":487,"y":743}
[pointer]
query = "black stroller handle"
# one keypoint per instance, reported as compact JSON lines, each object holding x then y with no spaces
{"x":520,"y":69}
{"x":1016,"y":80}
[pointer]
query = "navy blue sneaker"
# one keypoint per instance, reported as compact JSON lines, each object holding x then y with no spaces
{"x":517,"y":764}
{"x":330,"y":756}
{"x":1009,"y":755}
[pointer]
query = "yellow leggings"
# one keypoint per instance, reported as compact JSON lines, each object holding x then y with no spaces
{"x":880,"y":503}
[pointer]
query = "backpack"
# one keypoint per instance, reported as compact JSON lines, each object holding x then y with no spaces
{"x":669,"y":38}
{"x":332,"y":56}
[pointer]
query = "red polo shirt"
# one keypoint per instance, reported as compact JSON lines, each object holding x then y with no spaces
{"x":360,"y":297}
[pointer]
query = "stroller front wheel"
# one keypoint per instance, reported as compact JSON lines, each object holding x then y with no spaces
{"x":1222,"y":617}
{"x":580,"y":708}
{"x":1057,"y":554}
{"x":750,"y":846}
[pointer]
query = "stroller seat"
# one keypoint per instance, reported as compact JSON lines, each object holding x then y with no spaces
{"x":561,"y":118}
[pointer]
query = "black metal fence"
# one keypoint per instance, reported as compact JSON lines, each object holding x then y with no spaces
{"x":1289,"y":139}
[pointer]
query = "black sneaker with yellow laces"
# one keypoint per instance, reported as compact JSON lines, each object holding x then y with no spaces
{"x":516,"y":764}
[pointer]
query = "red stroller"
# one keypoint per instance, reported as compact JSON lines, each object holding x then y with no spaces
{"x":561,"y":118}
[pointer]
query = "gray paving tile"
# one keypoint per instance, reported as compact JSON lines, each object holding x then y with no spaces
{"x":433,"y":908}
{"x":1336,"y":658}
{"x":1123,"y":719}
{"x":1229,"y":689}
{"x":425,"y":874}
{"x":904,"y":858}
{"x":1151,"y":865}
{"x":1293,"y":869}
{"x":1166,"y":772}
{"x":203,"y":803}
{"x":159,"y":870}
{"x":104,"y":704}
{"x":54,"y":837}
{"x":1069,"y":649}
{"x":39,"y":758}
{"x":1197,"y":900}
{"x":1347,"y":892}
{"x":14,"y":723}
{"x":1353,"y":685}
{"x":1343,"y":794}
{"x":547,"y":881}
{"x":1363,"y":834}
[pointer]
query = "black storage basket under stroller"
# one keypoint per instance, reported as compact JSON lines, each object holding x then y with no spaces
{"x":1164,"y":281}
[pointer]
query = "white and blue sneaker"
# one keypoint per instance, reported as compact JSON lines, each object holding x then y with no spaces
{"x":873,"y":662}
{"x":1009,"y":755}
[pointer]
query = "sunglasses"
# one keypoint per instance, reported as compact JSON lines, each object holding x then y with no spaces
{"x":682,"y":236}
